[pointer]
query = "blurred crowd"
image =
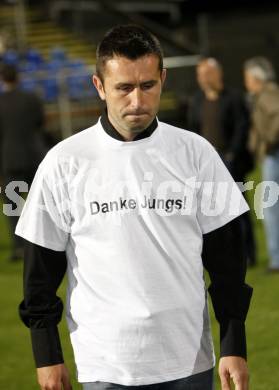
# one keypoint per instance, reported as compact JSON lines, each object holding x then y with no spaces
{"x":243,"y":127}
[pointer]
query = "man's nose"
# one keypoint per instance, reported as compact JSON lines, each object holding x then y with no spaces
{"x":136,"y":98}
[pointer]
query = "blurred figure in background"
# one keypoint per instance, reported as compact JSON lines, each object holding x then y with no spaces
{"x":259,"y":78}
{"x":22,"y":144}
{"x":220,"y":115}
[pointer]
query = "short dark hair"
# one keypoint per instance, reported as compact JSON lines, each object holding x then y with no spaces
{"x":9,"y":73}
{"x":130,"y":41}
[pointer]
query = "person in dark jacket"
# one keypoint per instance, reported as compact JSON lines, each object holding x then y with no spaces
{"x":220,"y":115}
{"x":22,"y":144}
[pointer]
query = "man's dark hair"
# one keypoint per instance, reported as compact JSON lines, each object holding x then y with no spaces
{"x":9,"y":73}
{"x":130,"y":41}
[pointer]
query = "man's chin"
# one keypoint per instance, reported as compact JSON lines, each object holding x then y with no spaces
{"x":137,"y":122}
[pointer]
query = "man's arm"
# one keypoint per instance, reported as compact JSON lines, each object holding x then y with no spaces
{"x":241,"y":124}
{"x":193,"y":114}
{"x":225,"y":260}
{"x":41,"y":311}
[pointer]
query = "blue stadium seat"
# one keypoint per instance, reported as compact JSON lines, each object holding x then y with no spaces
{"x":28,"y":84}
{"x":33,"y":57}
{"x":27,"y":67}
{"x":50,"y":88}
{"x":11,"y":57}
{"x":40,"y":76}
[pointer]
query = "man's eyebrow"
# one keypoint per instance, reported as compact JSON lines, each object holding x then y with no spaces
{"x":152,"y":82}
{"x":121,"y":84}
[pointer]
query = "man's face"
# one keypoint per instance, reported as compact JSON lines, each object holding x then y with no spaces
{"x":209,"y":76}
{"x":131,"y":89}
{"x":252,"y":84}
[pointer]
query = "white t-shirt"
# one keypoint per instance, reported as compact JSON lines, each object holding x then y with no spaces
{"x":130,"y":216}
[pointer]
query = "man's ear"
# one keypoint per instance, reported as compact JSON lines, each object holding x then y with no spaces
{"x":163,"y":76}
{"x":99,"y":86}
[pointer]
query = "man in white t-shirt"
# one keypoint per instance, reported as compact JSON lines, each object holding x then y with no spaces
{"x":134,"y":209}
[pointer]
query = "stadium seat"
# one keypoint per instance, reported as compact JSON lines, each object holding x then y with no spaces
{"x":50,"y":88}
{"x":28,"y":84}
{"x":33,"y":57}
{"x":11,"y":57}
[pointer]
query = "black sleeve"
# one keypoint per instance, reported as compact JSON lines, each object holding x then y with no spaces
{"x":225,"y":260}
{"x":194,"y":113}
{"x":241,"y":119}
{"x":41,"y":310}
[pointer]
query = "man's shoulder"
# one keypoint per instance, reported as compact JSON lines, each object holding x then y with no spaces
{"x":78,"y":146}
{"x":19,"y":96}
{"x":190,"y":146}
{"x":232,"y":93}
{"x":184,"y":135}
{"x":76,"y":143}
{"x":268,"y":99}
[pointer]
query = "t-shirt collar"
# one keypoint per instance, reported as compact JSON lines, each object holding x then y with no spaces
{"x":111,"y":131}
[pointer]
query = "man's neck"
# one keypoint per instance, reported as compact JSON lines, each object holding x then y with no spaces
{"x":213,"y":94}
{"x":113,"y":132}
{"x":126,"y":134}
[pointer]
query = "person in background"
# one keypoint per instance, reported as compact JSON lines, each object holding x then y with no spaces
{"x":259,"y":76}
{"x":220,"y":114}
{"x":22,"y":145}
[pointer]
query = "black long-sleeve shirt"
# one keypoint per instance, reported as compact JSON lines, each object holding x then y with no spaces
{"x":223,"y":257}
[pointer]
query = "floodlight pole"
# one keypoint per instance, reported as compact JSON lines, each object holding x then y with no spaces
{"x":203,"y":33}
{"x":20,"y":23}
